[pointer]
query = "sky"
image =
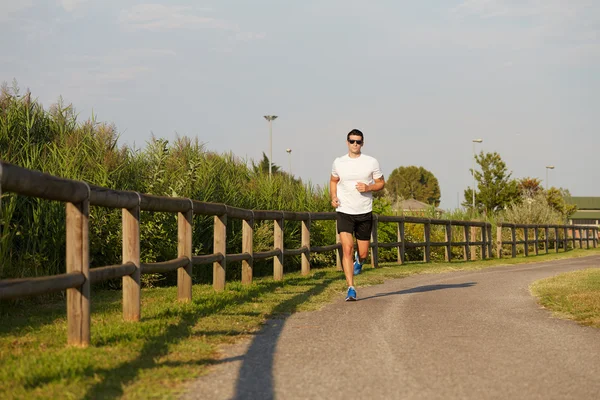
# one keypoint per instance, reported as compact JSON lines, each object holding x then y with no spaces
{"x":420,"y":79}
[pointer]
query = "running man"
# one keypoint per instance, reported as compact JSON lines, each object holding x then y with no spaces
{"x":354,"y":177}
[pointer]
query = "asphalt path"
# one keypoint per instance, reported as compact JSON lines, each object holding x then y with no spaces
{"x":459,"y":335}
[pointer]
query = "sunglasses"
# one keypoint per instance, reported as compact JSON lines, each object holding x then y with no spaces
{"x":359,"y":142}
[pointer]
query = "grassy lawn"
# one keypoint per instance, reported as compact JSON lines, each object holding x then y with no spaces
{"x":574,"y":295}
{"x":174,"y":342}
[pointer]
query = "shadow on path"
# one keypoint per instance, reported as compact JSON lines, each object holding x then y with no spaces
{"x":255,"y":379}
{"x":420,"y":289}
{"x":111,"y":382}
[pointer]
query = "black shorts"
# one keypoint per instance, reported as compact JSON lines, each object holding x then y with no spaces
{"x":360,"y":224}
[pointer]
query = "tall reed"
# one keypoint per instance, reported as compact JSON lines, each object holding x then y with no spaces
{"x":32,"y":233}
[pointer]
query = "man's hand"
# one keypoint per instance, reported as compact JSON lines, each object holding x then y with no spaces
{"x":362,"y":187}
{"x":335,"y":202}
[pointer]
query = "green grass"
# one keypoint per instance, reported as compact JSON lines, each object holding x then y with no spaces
{"x":174,"y":342}
{"x":573,"y":295}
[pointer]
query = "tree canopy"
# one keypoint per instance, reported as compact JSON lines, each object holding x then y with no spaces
{"x":529,"y":187}
{"x":556,"y":199}
{"x":495,"y":188}
{"x":414,"y":182}
{"x":263,"y":166}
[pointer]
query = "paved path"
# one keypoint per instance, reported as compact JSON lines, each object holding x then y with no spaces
{"x":459,"y":335}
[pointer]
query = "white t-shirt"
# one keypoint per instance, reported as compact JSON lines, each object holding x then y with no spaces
{"x":351,"y":171}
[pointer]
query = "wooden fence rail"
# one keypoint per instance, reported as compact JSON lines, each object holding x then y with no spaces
{"x":562,"y":236}
{"x":79,"y":196}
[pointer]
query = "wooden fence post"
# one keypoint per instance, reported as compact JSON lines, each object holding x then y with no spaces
{"x":566,"y":238}
{"x":448,"y":238}
{"x":556,"y":239}
{"x":184,"y":249}
{"x":536,"y":238}
{"x":546,"y":234}
{"x":473,"y":238}
{"x":77,"y":260}
{"x":580,"y":231}
{"x":305,"y":242}
{"x":278,"y":241}
{"x":247,"y":247}
{"x":131,"y":253}
{"x":484,"y":242}
{"x":499,"y":241}
{"x":402,"y":247}
{"x":526,"y":239}
{"x":427,"y":236}
{"x":587,"y":237}
{"x":375,"y":242}
{"x":220,"y":246}
{"x":490,"y":241}
{"x":467,"y":252}
{"x":513,"y":235}
{"x":574,"y":238}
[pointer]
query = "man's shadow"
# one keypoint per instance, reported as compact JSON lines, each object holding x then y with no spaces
{"x":420,"y":289}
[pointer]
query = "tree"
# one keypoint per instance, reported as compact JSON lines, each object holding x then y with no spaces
{"x":529,"y":187}
{"x":557,"y":199}
{"x":414,"y":183}
{"x":262,"y":167}
{"x":495,"y":188}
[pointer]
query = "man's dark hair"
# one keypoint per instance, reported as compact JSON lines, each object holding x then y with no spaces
{"x":355,"y":132}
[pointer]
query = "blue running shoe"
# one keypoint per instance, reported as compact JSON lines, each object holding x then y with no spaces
{"x":351,"y":294}
{"x":357,"y":264}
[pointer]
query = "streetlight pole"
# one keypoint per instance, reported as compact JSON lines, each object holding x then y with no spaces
{"x":270,"y":118}
{"x":473,"y":170}
{"x":289,"y":151}
{"x":547,"y":168}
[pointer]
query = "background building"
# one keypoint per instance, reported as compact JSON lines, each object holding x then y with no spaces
{"x":588,"y":210}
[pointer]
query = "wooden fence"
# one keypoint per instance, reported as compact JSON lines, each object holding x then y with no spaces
{"x":557,"y":235}
{"x":79,"y":196}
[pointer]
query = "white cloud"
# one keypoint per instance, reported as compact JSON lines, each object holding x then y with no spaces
{"x":550,"y":17}
{"x":562,"y":27}
{"x":247,"y":36}
{"x":117,"y":67}
{"x":122,"y":74}
{"x":159,"y":17}
{"x":101,"y":81}
{"x":70,"y":5}
{"x":8,"y":8}
{"x":102,"y":75}
{"x":517,"y":8}
{"x":124,"y":56}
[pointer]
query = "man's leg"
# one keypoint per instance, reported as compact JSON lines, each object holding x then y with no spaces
{"x":364,"y":226}
{"x":363,"y":250}
{"x":347,"y":242}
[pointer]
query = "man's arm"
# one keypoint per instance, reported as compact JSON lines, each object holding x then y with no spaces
{"x":375,"y":187}
{"x":333,"y":182}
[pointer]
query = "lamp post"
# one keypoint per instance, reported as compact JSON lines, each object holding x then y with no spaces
{"x":270,"y":118}
{"x":473,"y":170}
{"x":289,"y":151}
{"x":547,"y":168}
